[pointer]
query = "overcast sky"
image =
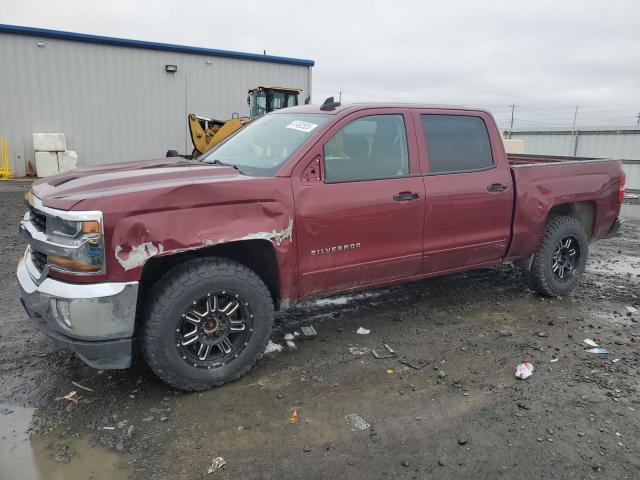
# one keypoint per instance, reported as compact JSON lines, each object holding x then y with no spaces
{"x":545,"y":57}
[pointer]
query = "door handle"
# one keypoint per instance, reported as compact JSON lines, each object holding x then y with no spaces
{"x":496,"y":187}
{"x":406,"y":196}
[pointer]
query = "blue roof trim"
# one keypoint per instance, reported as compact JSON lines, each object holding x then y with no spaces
{"x":167,"y":47}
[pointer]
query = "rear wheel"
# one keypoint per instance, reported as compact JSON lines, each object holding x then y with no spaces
{"x":560,"y":259}
{"x":207,"y":324}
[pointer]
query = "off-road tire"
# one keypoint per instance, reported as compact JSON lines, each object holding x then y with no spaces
{"x":540,"y":277}
{"x":174,"y":293}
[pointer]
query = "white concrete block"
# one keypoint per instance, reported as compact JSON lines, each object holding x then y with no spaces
{"x":511,"y":145}
{"x":49,"y":142}
{"x":67,"y":160}
{"x":46,"y":164}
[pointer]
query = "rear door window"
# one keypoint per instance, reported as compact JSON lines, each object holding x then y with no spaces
{"x":371,"y":147}
{"x":456,"y":143}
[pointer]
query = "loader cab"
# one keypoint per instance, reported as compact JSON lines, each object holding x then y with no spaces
{"x":263,"y":99}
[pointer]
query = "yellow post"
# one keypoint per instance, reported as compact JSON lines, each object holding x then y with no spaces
{"x":5,"y":169}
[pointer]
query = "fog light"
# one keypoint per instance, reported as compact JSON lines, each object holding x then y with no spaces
{"x":62,"y":312}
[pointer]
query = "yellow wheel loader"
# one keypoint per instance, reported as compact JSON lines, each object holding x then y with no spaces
{"x":206,"y":133}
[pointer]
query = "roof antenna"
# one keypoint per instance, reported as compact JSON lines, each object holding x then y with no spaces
{"x":329,"y":104}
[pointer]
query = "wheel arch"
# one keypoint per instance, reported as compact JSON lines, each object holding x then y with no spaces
{"x":258,"y":255}
{"x":584,"y":212}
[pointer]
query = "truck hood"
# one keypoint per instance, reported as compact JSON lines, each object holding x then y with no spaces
{"x":65,"y":190}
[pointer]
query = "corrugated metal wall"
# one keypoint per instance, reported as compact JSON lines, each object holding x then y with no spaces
{"x":118,"y":103}
{"x":620,"y":143}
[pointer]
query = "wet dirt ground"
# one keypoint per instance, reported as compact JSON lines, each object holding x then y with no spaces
{"x":453,"y":409}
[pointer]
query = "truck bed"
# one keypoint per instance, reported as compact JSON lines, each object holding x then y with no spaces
{"x":543,"y":182}
{"x":529,"y":159}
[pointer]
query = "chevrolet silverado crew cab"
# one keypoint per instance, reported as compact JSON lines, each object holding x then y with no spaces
{"x":187,"y":260}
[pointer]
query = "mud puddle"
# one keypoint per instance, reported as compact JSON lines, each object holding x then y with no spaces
{"x":50,"y":457}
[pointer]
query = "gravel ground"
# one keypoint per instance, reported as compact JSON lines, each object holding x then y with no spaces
{"x":448,"y":406}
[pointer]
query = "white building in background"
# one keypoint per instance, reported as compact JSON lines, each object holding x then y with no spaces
{"x":117,"y":99}
{"x":621,"y":143}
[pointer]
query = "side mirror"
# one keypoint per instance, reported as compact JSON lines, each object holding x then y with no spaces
{"x":307,"y":100}
{"x":172,"y":153}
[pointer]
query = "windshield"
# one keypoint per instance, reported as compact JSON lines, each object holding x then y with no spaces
{"x":265,"y":144}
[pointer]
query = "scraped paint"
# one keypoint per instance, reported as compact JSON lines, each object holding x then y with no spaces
{"x":274,"y":235}
{"x":138,"y":254}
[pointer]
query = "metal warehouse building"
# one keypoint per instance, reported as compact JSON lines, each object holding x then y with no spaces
{"x":622,"y":143}
{"x":115,"y":99}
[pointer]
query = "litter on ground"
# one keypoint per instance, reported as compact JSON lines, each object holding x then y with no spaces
{"x":388,"y":352}
{"x":631,"y":309}
{"x":308,"y":331}
{"x":357,"y":422}
{"x":288,"y":336}
{"x":415,"y":364}
{"x":524,"y":370}
{"x":359,"y":350}
{"x":362,"y":331}
{"x":599,"y":350}
{"x":82,"y":387}
{"x":590,"y":342}
{"x":293,"y":418}
{"x":73,"y":397}
{"x":216,"y":464}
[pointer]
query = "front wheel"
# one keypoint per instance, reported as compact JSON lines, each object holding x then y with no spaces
{"x":560,"y":259}
{"x":207,"y":324}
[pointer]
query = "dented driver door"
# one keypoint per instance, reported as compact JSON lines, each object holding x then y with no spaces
{"x":360,"y":204}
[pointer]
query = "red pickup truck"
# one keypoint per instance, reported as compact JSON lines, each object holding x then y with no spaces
{"x":190,"y":258}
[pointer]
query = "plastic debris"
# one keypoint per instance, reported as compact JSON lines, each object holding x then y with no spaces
{"x":82,"y":387}
{"x":357,"y":422}
{"x":288,"y":336}
{"x":216,"y":464}
{"x":524,"y":370}
{"x":308,"y":331}
{"x":389,"y":371}
{"x":631,"y":309}
{"x":294,"y":417}
{"x":615,"y":360}
{"x":273,"y":347}
{"x":554,"y":360}
{"x":359,"y":350}
{"x":291,"y":344}
{"x":590,"y":342}
{"x":363,"y":331}
{"x":388,"y":352}
{"x":599,"y":351}
{"x":415,"y":364}
{"x":72,"y":397}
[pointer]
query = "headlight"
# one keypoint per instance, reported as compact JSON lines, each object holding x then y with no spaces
{"x":81,"y":245}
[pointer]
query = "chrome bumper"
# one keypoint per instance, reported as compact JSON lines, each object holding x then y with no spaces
{"x":95,"y":320}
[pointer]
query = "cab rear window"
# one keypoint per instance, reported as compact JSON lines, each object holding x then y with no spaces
{"x":456,"y":143}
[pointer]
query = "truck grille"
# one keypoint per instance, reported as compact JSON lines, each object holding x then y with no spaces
{"x":38,"y":219}
{"x":39,"y":260}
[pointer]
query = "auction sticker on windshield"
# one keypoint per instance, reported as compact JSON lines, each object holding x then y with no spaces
{"x":301,"y":126}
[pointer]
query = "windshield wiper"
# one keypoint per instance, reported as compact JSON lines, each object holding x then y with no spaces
{"x":215,"y":161}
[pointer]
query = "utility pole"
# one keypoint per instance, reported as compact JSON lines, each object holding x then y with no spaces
{"x":513,"y":109}
{"x":638,"y":117}
{"x":574,"y":132}
{"x":575,"y":116}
